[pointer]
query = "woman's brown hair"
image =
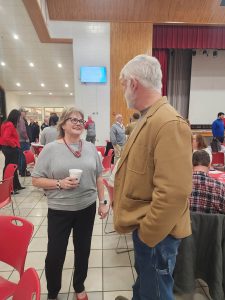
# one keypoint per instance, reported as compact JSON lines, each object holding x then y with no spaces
{"x":67,"y":112}
{"x":200,"y":142}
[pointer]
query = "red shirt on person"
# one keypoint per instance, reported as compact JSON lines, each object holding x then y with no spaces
{"x":9,"y":135}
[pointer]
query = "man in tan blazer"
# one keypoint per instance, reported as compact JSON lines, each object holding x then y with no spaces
{"x":153,"y":181}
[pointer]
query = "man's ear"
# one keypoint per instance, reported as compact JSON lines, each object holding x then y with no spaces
{"x":133,"y":84}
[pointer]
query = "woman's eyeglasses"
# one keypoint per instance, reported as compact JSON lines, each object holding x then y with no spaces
{"x":76,"y":121}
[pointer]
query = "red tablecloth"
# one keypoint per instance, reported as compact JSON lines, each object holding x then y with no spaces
{"x":218,"y":175}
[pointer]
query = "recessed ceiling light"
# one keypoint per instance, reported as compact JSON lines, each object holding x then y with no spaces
{"x":31,"y":64}
{"x":50,"y":93}
{"x":2,"y":63}
{"x":42,"y":84}
{"x":29,"y":93}
{"x":18,"y":84}
{"x":15,"y":36}
{"x":66,"y":85}
{"x":59,"y":65}
{"x":71,"y":94}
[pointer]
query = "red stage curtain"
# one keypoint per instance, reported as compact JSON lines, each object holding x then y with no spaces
{"x":163,"y":55}
{"x":188,"y":37}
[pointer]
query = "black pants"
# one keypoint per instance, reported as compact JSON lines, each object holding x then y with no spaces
{"x":60,"y":224}
{"x":11,"y":157}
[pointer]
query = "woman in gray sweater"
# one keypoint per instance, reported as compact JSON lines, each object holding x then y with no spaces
{"x":71,"y":205}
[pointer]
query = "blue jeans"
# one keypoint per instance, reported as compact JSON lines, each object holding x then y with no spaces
{"x":154,"y":267}
{"x":22,"y":162}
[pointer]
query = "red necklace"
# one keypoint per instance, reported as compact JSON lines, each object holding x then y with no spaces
{"x":75,"y":153}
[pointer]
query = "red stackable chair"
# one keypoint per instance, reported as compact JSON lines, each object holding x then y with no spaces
{"x":5,"y":193}
{"x":29,"y":156}
{"x":15,"y":235}
{"x":218,"y":158}
{"x":28,"y":287}
{"x":37,"y":149}
{"x":107,"y":162}
{"x":111,"y":152}
{"x":30,"y":160}
{"x":101,"y":149}
{"x":9,"y":172}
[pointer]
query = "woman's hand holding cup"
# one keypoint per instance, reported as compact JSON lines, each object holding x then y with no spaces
{"x":69,"y":183}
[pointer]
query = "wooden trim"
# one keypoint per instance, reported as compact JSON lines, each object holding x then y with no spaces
{"x":38,"y":21}
{"x":153,"y":11}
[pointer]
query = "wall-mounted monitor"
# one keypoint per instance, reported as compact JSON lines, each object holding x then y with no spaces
{"x":93,"y":74}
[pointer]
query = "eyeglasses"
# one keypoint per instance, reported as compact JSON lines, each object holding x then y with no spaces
{"x":76,"y":121}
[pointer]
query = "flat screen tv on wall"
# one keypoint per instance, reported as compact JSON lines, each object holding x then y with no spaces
{"x":93,"y":74}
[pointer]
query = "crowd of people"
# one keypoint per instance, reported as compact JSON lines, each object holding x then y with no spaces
{"x":153,"y":193}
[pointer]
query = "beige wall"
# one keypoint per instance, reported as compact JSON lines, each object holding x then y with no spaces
{"x":14,"y":101}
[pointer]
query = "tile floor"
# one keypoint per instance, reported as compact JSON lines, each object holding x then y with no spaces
{"x":109,"y":274}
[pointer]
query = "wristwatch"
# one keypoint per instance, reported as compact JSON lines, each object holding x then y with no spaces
{"x":105,"y":202}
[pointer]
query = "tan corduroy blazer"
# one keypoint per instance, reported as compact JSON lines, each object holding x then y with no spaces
{"x":154,"y":177}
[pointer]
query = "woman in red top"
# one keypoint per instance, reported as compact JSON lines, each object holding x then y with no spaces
{"x":10,"y":144}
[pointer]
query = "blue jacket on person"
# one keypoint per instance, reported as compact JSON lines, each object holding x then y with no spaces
{"x":218,"y":128}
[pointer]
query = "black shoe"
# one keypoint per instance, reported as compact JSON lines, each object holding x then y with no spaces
{"x":21,"y":188}
{"x":28,"y":173}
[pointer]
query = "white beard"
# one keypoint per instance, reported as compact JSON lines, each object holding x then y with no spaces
{"x":130,"y":98}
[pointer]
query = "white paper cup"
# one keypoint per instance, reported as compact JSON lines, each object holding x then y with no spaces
{"x":75,"y":173}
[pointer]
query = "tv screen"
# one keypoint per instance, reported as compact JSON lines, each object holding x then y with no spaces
{"x":93,"y":74}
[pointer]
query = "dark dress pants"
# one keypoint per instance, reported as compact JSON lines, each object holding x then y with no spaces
{"x":11,"y":157}
{"x":60,"y":224}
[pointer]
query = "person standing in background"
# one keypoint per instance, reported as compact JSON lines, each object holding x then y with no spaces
{"x":218,"y":127}
{"x":10,"y":145}
{"x":90,"y":127}
{"x":151,"y":188}
{"x":50,"y":134}
{"x":34,"y":131}
{"x":22,"y":128}
{"x":45,"y":124}
{"x":130,"y":127}
{"x":117,"y":137}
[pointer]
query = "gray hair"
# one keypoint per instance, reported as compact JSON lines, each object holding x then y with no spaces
{"x":146,"y":69}
{"x":67,"y":112}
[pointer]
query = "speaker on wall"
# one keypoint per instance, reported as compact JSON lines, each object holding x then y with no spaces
{"x":2,"y":104}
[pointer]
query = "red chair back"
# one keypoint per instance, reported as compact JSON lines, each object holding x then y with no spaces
{"x":106,"y":162}
{"x":218,"y":158}
{"x":110,"y":190}
{"x":9,"y":172}
{"x":28,"y":287}
{"x":37,"y":149}
{"x":111,"y":152}
{"x":101,"y":149}
{"x":15,"y":235}
{"x":5,"y":192}
{"x":29,"y":156}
